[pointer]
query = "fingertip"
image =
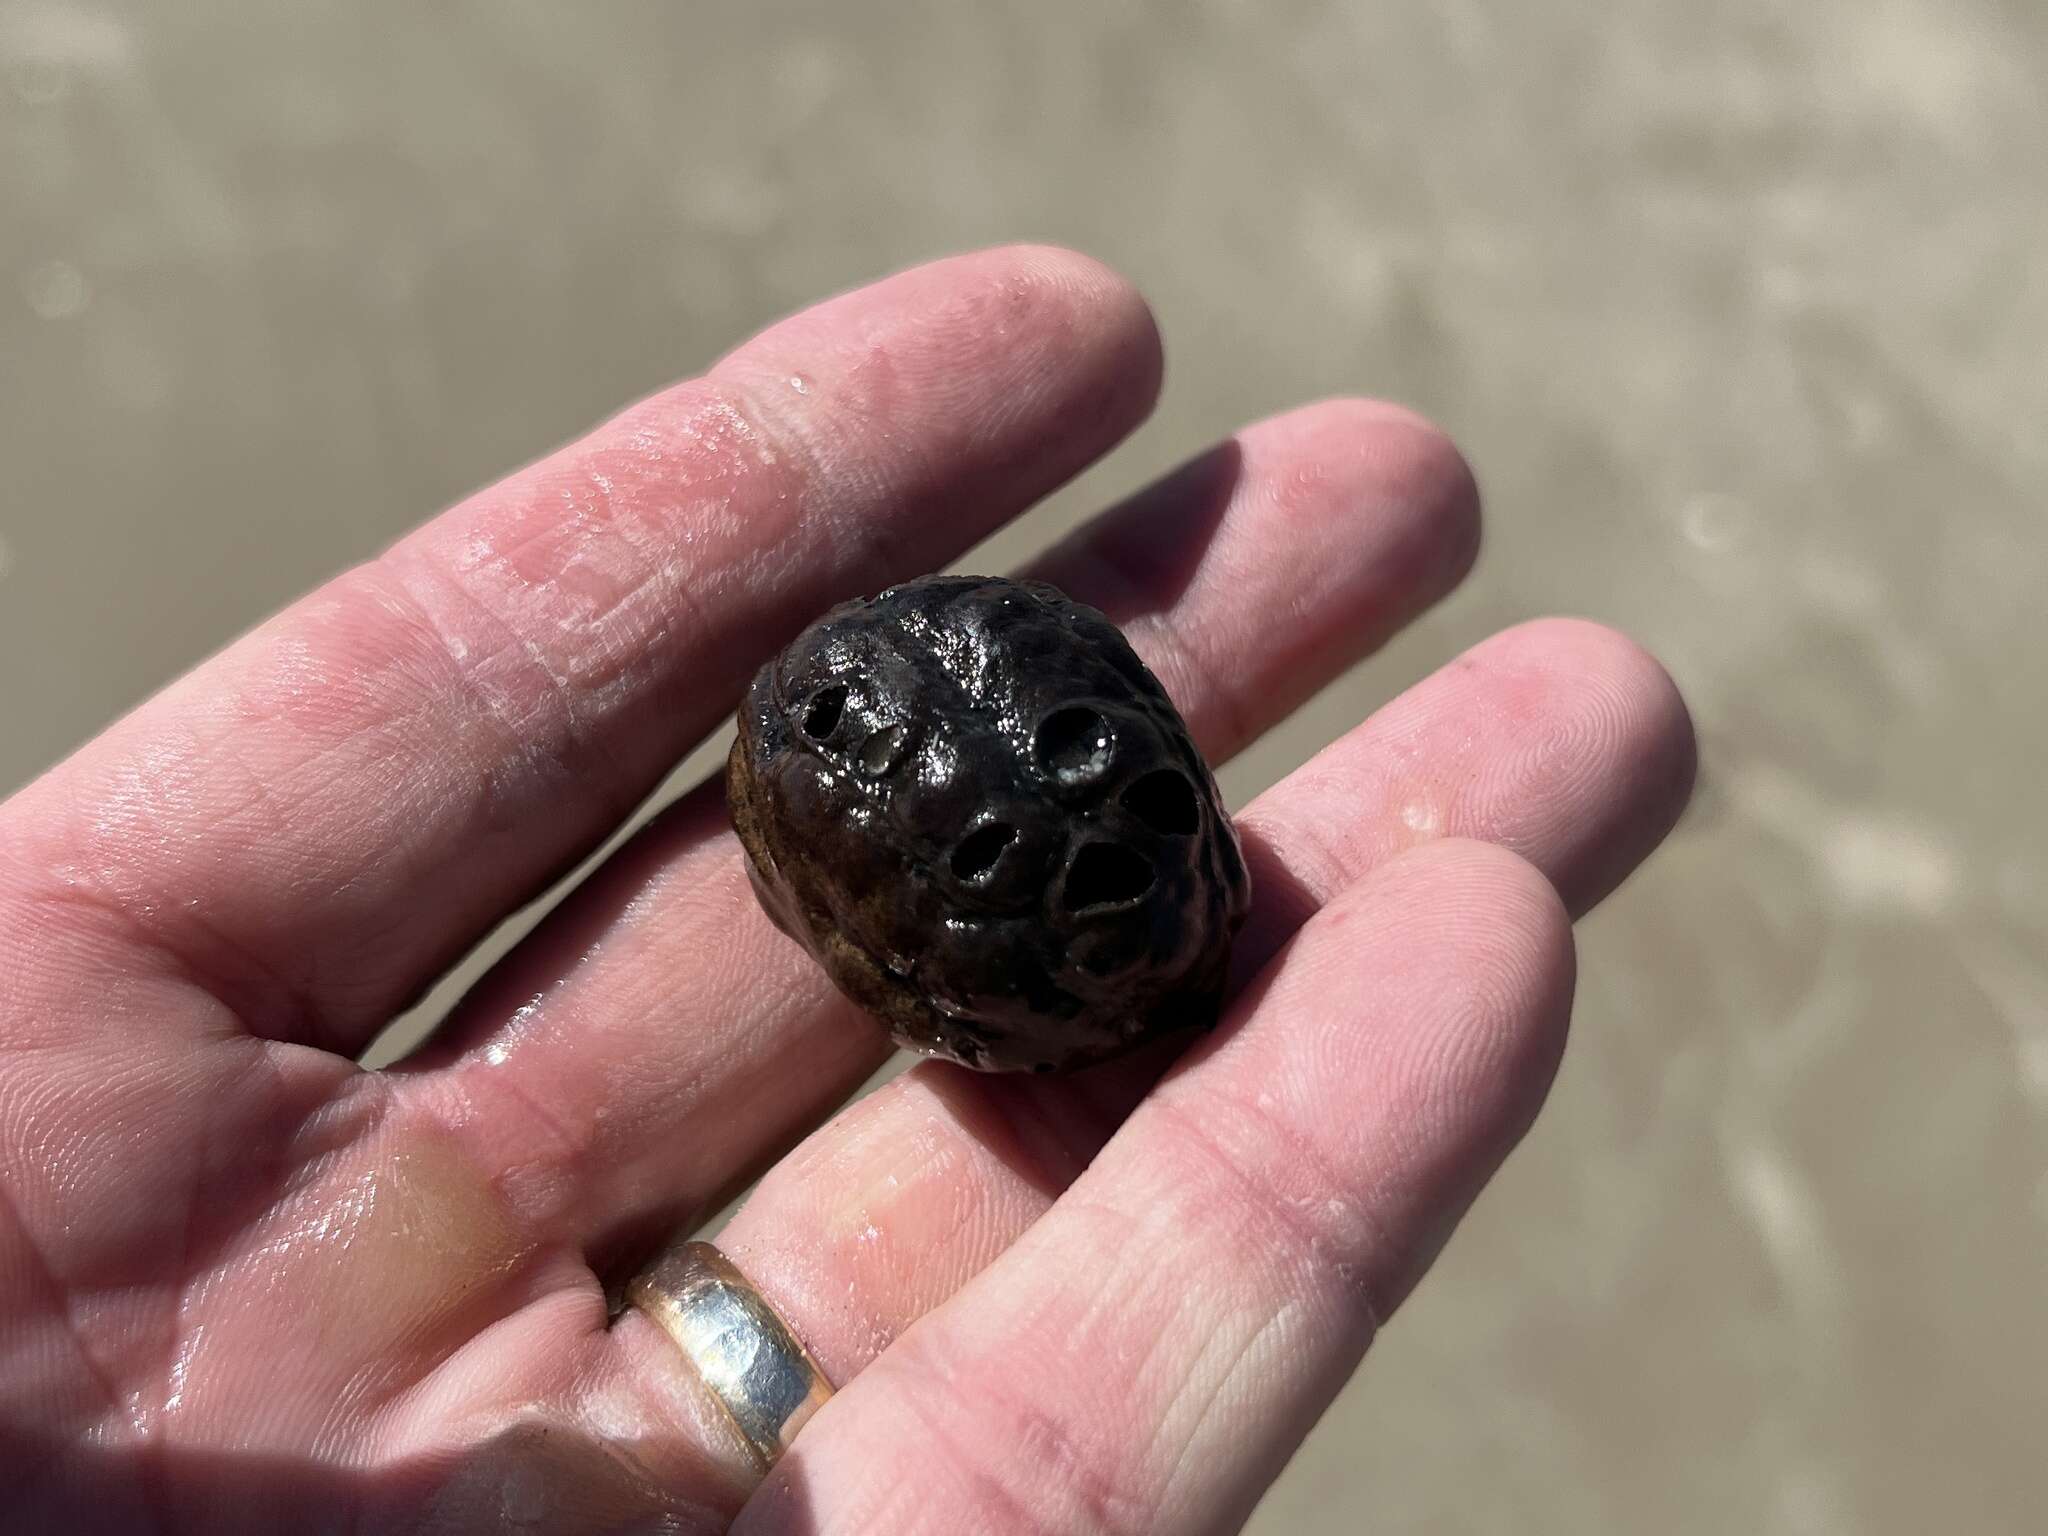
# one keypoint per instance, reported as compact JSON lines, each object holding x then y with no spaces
{"x":1426,"y":465}
{"x":1486,"y":903}
{"x":1449,"y":967}
{"x":1638,"y":741}
{"x":1048,"y":352}
{"x":1459,"y":972}
{"x":1101,"y":312}
{"x":1608,"y":653}
{"x":1506,"y":939}
{"x":1393,"y":476}
{"x":1095,"y":289}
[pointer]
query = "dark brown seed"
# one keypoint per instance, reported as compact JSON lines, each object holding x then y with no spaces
{"x":972,"y":803}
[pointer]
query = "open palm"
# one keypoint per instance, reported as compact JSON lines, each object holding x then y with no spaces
{"x":245,"y":1284}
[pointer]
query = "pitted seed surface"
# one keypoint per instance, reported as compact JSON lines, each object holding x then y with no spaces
{"x":969,"y":799}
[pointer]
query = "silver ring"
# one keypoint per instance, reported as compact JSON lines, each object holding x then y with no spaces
{"x":747,"y":1355}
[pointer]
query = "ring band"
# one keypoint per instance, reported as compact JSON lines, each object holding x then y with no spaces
{"x":747,"y":1355}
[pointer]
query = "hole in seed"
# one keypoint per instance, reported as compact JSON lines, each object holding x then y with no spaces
{"x":879,"y":752}
{"x":1101,"y":960}
{"x":823,"y":712}
{"x":1073,"y":744}
{"x":1105,"y":875}
{"x":978,"y":851}
{"x":1165,"y":801}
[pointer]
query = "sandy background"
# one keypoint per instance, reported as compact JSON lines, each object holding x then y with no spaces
{"x":1741,"y":311}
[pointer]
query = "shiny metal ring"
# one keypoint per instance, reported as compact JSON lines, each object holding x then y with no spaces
{"x":747,"y":1355}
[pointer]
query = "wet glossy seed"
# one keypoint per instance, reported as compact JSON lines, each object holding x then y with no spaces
{"x":974,"y":805}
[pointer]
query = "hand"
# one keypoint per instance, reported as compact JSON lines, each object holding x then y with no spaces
{"x":245,"y":1284}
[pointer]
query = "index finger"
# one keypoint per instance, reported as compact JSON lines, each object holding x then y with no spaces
{"x":318,"y":821}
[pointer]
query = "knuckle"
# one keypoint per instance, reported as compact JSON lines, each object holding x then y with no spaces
{"x":1292,"y":1202}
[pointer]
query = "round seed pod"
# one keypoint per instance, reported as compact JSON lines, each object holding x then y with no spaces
{"x":969,"y":799}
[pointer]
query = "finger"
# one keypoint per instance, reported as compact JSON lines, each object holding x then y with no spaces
{"x":1151,"y":1351}
{"x":1330,"y":528}
{"x":1559,"y":739}
{"x":315,"y":823}
{"x":664,"y":1038}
